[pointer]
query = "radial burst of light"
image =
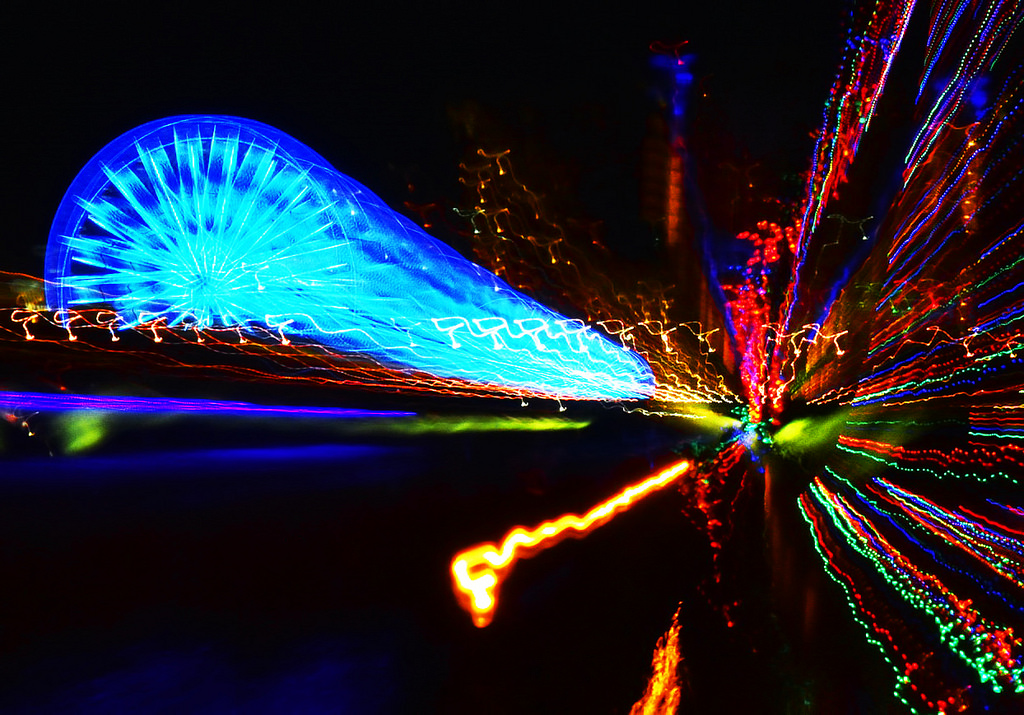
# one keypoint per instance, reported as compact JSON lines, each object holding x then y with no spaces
{"x":888,"y":362}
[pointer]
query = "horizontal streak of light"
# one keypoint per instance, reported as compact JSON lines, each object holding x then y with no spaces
{"x":458,"y":424}
{"x":51,"y":402}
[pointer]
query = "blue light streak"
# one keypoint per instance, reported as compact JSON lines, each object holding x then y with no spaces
{"x":203,"y":221}
{"x":59,"y":402}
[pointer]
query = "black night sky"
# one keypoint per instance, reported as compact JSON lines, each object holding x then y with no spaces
{"x":378,"y":91}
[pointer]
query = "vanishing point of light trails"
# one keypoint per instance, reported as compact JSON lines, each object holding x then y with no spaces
{"x":478,"y":572}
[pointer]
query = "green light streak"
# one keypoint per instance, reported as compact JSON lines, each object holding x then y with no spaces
{"x":462,"y":424}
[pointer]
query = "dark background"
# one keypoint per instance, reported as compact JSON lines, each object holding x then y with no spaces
{"x":378,"y":89}
{"x":258,"y":572}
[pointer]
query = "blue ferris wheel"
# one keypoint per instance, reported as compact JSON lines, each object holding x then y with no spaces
{"x":215,"y":221}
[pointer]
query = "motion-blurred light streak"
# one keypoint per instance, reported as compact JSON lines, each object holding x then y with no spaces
{"x":514,"y":237}
{"x":63,"y":402}
{"x":477,"y":572}
{"x":991,"y":649}
{"x":664,"y":692}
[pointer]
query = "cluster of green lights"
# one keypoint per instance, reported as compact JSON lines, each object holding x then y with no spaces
{"x":756,"y":435}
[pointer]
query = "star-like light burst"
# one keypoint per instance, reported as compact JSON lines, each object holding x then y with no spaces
{"x":885,"y":360}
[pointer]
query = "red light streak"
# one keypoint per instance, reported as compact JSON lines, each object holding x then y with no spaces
{"x":478,"y":572}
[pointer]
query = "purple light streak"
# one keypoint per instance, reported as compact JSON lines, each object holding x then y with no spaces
{"x":50,"y":402}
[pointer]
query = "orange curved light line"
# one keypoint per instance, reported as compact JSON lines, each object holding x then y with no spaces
{"x":477,"y":572}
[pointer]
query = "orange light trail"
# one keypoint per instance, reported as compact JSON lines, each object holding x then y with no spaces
{"x":664,"y":690}
{"x":477,"y":572}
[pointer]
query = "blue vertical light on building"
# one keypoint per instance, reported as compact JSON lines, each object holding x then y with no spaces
{"x":219,"y":221}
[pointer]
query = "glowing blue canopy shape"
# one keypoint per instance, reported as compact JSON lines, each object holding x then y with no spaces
{"x":221,"y":221}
